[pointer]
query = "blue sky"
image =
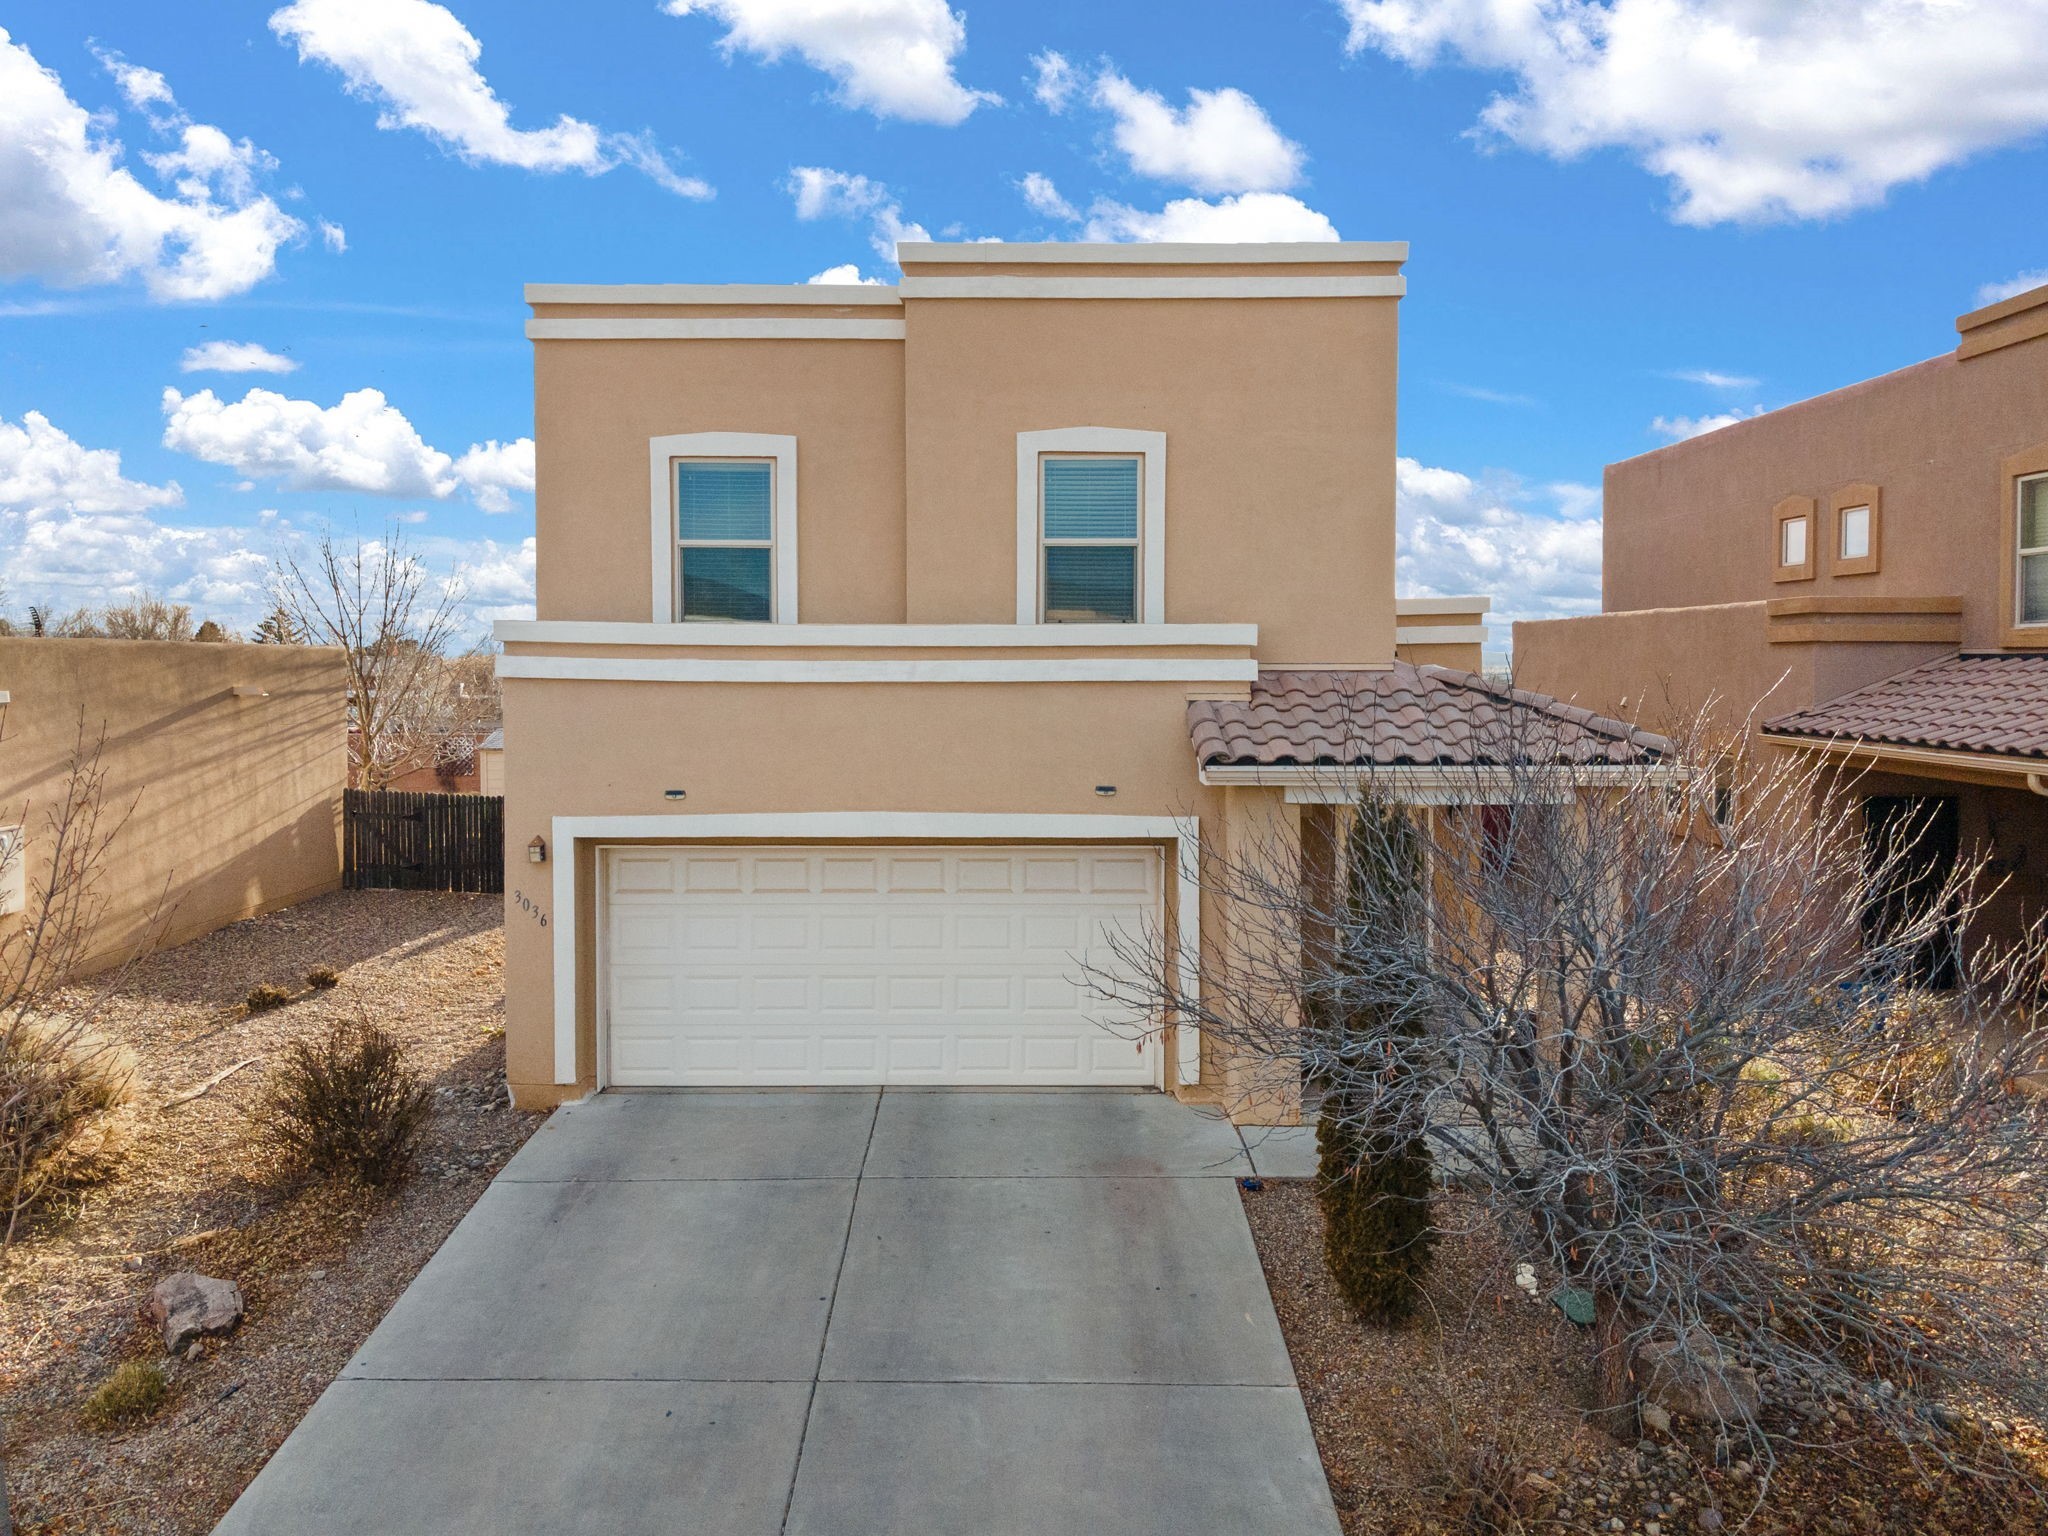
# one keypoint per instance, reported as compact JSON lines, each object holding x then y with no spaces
{"x":1628,"y":218}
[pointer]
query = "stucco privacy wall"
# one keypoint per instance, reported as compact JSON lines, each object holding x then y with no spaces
{"x":1019,"y":748}
{"x":1691,"y":524}
{"x":236,"y":800}
{"x":1663,"y":668}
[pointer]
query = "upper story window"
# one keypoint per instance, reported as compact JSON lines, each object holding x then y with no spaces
{"x":2033,"y":550}
{"x":1089,"y":538}
{"x":1793,"y":522}
{"x":1855,"y":534}
{"x":722,"y":514}
{"x":725,"y":539}
{"x":1091,"y":526}
{"x":1792,"y":541}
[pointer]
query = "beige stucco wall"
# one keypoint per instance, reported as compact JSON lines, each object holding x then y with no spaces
{"x":1691,"y":524}
{"x":1038,"y":748}
{"x":234,"y":804}
{"x":597,"y":403}
{"x":1663,"y":668}
{"x":1279,"y":420}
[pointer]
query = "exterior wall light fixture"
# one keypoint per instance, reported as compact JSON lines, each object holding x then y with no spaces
{"x":537,"y":851}
{"x":1105,"y":790}
{"x":674,"y":794}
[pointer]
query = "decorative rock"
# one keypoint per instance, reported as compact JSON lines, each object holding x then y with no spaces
{"x":1693,"y":1378}
{"x":1710,"y":1519}
{"x":187,"y":1305}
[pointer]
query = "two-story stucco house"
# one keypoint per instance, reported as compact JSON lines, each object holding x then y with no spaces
{"x":1861,"y":577}
{"x":896,"y":646}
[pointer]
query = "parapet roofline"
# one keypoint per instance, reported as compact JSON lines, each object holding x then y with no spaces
{"x":1098,"y":253}
{"x":836,"y":294}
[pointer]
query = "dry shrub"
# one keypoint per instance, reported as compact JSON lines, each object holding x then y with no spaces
{"x":134,"y":1391}
{"x":322,"y":977}
{"x":264,"y":997}
{"x":1474,"y":1462}
{"x":347,"y":1105}
{"x":59,"y":1090}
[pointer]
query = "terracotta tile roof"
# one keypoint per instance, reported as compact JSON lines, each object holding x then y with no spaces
{"x":1405,"y":715}
{"x":1964,"y":703}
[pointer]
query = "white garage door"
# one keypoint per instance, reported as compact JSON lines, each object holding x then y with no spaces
{"x":869,"y":965}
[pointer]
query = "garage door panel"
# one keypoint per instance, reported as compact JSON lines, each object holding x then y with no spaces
{"x":791,"y":965}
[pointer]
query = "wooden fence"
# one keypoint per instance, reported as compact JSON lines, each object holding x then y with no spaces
{"x":403,"y":840}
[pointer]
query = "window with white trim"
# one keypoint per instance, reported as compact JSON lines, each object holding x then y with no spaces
{"x":1089,"y":537}
{"x":2033,"y":550}
{"x":1792,"y":542}
{"x":1853,"y":534}
{"x":725,"y":540}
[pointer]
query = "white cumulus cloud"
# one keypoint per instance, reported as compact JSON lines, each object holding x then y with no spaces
{"x":42,"y":469}
{"x":2012,"y":287}
{"x":493,"y":470}
{"x":822,"y":193}
{"x":1249,"y":216}
{"x":1044,"y":197}
{"x":846,"y":272}
{"x":1752,"y":111}
{"x":1222,"y":141}
{"x":418,"y":63}
{"x":1713,"y":378}
{"x":75,"y":215}
{"x":1536,"y":553}
{"x":235,"y":357}
{"x":1679,"y":428}
{"x":1053,"y":80}
{"x":893,"y":58}
{"x":364,"y":443}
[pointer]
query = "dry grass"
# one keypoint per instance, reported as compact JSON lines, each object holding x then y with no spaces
{"x":1433,"y":1427}
{"x":199,"y":1189}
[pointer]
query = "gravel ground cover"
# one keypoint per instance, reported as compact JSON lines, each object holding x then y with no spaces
{"x":1471,"y":1420}
{"x":318,"y":1264}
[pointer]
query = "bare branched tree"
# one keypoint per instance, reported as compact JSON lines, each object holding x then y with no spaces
{"x":410,"y":688}
{"x":1677,"y":1042}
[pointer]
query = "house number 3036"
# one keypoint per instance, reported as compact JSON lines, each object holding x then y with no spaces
{"x":530,"y":907}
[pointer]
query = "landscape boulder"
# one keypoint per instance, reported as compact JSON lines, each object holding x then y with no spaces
{"x":188,"y":1305}
{"x":1694,"y":1378}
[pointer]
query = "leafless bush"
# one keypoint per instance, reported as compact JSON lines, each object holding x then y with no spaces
{"x":1683,"y":1064}
{"x":348,"y":1105}
{"x":264,"y":996}
{"x":59,"y":1076}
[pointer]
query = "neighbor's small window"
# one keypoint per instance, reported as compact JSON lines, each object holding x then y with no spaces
{"x":2033,"y":573}
{"x":725,"y":537}
{"x":1855,"y":534}
{"x":1089,"y":535}
{"x":1792,"y":541}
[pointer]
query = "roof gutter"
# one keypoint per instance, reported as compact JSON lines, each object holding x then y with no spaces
{"x":1432,"y":784}
{"x":2035,"y":777}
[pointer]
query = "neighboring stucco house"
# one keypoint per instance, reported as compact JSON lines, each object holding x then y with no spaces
{"x":1863,"y":575}
{"x":896,"y":646}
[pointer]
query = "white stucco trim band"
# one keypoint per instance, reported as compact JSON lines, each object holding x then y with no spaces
{"x":1150,"y":287}
{"x":740,"y":328}
{"x":1079,"y":669}
{"x":1162,"y":253}
{"x":661,"y":454}
{"x":867,"y":295}
{"x":872,"y":826}
{"x":1149,"y":446}
{"x":875,"y":636}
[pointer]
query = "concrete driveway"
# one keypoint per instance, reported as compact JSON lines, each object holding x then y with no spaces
{"x":834,"y":1313}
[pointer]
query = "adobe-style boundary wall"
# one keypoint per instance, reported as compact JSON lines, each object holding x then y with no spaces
{"x":227,"y":759}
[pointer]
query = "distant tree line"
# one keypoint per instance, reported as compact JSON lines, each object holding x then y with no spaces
{"x":145,"y":617}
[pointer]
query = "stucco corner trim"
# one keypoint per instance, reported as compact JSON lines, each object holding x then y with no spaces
{"x":662,"y":452}
{"x":1182,"y":835}
{"x":1151,"y":446}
